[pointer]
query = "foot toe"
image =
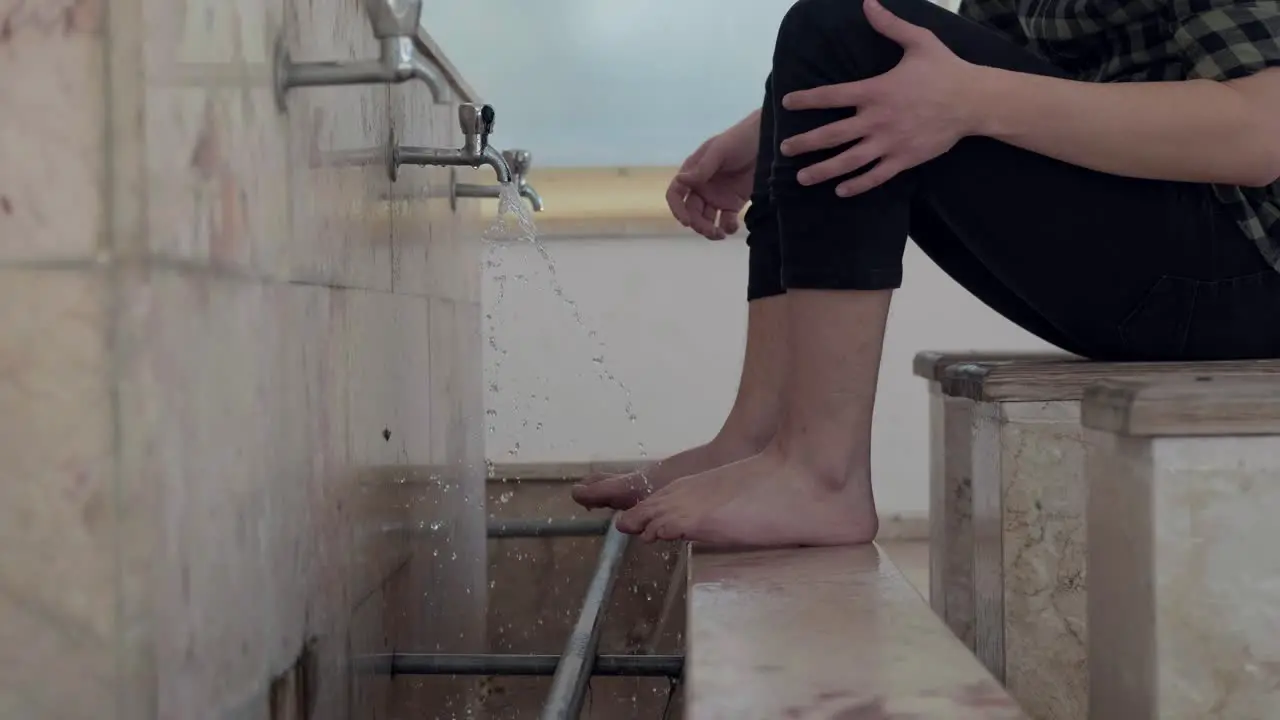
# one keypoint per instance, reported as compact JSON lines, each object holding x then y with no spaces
{"x":619,"y":492}
{"x":635,"y":520}
{"x":675,"y":527}
{"x":653,"y":531}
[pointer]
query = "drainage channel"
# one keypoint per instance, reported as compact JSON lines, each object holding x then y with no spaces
{"x":572,"y":670}
{"x":573,"y":673}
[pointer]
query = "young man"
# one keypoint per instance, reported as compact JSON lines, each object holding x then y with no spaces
{"x":1103,"y":174}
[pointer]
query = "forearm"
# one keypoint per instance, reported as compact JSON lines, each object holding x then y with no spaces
{"x":749,"y":125}
{"x":1192,"y":131}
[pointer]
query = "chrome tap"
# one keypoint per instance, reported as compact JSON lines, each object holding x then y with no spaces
{"x":519,"y":162}
{"x":476,"y":122}
{"x":395,"y":24}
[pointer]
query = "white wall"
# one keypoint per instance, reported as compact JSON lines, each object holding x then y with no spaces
{"x":670,"y":317}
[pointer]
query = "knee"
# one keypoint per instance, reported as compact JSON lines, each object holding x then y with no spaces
{"x":831,"y":41}
{"x":811,"y":23}
{"x":819,"y":13}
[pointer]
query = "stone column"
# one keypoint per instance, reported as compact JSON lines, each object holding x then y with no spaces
{"x":950,"y":497}
{"x":1184,"y":496}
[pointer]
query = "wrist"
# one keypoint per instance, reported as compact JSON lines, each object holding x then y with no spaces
{"x":982,"y":101}
{"x":748,"y":126}
{"x":745,"y":133}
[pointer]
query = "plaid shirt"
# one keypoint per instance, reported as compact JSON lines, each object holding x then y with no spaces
{"x":1155,"y":40}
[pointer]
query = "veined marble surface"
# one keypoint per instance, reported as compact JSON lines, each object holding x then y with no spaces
{"x":824,"y":633}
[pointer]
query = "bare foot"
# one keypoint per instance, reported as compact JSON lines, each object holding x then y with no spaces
{"x":763,"y":501}
{"x":625,"y":490}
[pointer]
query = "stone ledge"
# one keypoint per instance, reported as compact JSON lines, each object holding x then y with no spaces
{"x":823,"y":632}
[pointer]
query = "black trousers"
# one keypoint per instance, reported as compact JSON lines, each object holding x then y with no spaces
{"x":1107,"y":267}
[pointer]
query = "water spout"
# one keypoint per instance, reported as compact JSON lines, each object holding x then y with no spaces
{"x":476,"y":122}
{"x":528,"y":193}
{"x":518,"y":161}
{"x":395,"y":25}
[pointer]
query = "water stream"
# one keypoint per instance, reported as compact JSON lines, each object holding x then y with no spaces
{"x":515,"y":222}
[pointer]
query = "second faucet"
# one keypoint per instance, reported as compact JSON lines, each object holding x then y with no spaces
{"x":519,"y":162}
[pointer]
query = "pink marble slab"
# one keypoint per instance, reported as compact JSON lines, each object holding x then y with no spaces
{"x":815,"y":633}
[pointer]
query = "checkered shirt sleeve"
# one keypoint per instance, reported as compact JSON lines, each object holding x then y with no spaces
{"x":1225,"y":40}
{"x":998,"y":15}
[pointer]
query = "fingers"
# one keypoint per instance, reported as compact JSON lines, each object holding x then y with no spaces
{"x":828,"y":136}
{"x":876,"y":176}
{"x":703,"y":217}
{"x":894,"y":27}
{"x":693,"y":211}
{"x":842,"y":95}
{"x":676,"y":193}
{"x":849,"y":161}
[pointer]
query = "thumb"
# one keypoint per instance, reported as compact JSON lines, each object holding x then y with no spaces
{"x":892,"y":26}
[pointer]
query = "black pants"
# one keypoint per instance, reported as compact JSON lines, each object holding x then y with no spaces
{"x":1100,"y":265}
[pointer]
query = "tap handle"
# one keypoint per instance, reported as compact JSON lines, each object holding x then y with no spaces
{"x":476,"y":120}
{"x":519,"y":161}
{"x":393,"y":18}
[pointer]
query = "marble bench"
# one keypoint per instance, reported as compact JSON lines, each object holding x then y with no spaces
{"x":1026,"y":464}
{"x":1184,"y":549}
{"x":823,"y":633}
{"x":950,"y":496}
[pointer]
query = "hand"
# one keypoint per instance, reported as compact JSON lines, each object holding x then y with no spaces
{"x":714,"y":183}
{"x":905,"y":117}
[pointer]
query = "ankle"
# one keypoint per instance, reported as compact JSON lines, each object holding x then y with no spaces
{"x":740,"y":442}
{"x":829,"y":471}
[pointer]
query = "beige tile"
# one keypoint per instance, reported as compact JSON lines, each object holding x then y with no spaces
{"x":860,"y":641}
{"x":341,"y":224}
{"x":57,"y":496}
{"x":1182,"y":606}
{"x":313,"y":496}
{"x":1029,"y":557}
{"x":448,"y":428}
{"x":267,"y":528}
{"x":58,"y":514}
{"x":470,"y":340}
{"x":340,"y":215}
{"x":52,"y":202}
{"x":217,"y":178}
{"x":195,"y":442}
{"x":389,"y":362}
{"x":190,"y":38}
{"x":36,"y":645}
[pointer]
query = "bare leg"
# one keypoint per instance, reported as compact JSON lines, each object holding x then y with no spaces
{"x":748,"y":428}
{"x":812,"y":484}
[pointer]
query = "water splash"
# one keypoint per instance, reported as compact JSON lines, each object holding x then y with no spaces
{"x":514,"y":221}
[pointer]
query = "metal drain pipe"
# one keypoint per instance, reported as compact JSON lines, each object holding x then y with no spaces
{"x":549,"y":527}
{"x":573,"y":673}
{"x":670,"y":666}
